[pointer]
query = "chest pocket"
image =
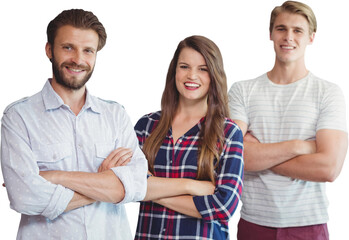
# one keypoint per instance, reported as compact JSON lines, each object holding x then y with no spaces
{"x":54,"y":157}
{"x":102,"y":151}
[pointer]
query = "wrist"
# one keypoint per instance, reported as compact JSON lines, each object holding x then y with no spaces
{"x":298,"y":148}
{"x":57,"y":177}
{"x":188,"y":185}
{"x":304,"y":147}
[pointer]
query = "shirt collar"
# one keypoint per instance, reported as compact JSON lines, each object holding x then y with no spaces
{"x":53,"y":101}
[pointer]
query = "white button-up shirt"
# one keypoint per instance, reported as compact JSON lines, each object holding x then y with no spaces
{"x":41,"y":133}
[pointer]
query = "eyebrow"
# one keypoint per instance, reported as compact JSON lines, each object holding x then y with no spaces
{"x":203,"y":65}
{"x":73,"y":46}
{"x":91,"y":49}
{"x":281,"y":25}
{"x":284,"y":26}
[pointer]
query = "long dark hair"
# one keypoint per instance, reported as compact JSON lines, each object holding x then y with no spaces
{"x":213,"y":127}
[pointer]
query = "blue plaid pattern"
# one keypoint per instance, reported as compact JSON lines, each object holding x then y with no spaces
{"x":179,"y":160}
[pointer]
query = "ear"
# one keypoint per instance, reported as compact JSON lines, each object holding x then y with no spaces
{"x":48,"y":49}
{"x":311,"y":38}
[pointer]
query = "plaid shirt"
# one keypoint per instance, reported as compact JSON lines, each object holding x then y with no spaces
{"x":179,"y":160}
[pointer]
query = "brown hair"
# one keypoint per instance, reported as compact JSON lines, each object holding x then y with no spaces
{"x":80,"y":19}
{"x":295,"y":8}
{"x":213,"y":127}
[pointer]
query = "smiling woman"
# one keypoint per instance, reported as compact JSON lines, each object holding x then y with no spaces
{"x":191,"y":139}
{"x":192,"y":76}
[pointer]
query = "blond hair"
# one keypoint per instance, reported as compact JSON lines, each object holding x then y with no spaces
{"x":295,"y":8}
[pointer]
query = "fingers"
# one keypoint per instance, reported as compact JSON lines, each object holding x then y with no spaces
{"x":118,"y":157}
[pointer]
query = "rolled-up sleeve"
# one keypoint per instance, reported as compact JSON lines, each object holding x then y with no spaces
{"x":28,"y":192}
{"x":134,"y":175}
{"x":223,"y":203}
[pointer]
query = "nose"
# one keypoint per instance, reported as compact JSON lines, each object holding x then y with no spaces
{"x":77,"y":57}
{"x":192,"y":74}
{"x":289,"y":35}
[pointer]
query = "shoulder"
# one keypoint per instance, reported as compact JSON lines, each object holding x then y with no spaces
{"x":231,"y":129}
{"x":322,"y":82}
{"x":246,"y":84}
{"x":106,"y":103}
{"x":24,"y":104}
{"x":154,"y":116}
{"x":148,"y":120}
{"x":323,"y":87}
{"x":108,"y":106}
{"x":15,"y":104}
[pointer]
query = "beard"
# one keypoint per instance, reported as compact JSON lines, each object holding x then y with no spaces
{"x":73,"y":83}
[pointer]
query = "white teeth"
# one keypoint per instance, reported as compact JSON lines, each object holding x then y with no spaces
{"x":75,"y":70}
{"x":191,"y":85}
{"x":287,"y":47}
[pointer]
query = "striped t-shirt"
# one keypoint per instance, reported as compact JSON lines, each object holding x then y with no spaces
{"x":276,"y":113}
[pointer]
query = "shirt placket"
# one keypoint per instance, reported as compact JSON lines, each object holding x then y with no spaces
{"x":79,"y":148}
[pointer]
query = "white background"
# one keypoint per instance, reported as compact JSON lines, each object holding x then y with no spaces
{"x":142,"y":37}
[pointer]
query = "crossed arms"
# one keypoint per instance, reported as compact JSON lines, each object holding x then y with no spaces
{"x":52,"y":193}
{"x":319,"y":160}
{"x":202,"y":199}
{"x":88,"y":187}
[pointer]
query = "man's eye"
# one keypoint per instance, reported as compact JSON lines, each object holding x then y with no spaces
{"x":89,"y":51}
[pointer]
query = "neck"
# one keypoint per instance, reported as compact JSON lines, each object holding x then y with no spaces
{"x":193,"y":110}
{"x":286,"y":73}
{"x":75,"y":99}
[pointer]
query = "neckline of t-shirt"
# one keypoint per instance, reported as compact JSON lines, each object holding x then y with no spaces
{"x":286,"y":85}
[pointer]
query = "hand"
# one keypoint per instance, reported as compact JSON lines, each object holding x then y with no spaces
{"x":250,"y":138}
{"x":119,"y":157}
{"x":201,"y":188}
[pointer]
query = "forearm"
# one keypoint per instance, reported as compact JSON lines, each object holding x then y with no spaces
{"x":311,"y":167}
{"x":324,"y":165}
{"x":182,"y":204}
{"x":77,"y":201}
{"x":158,"y":187}
{"x":262,"y":156}
{"x":104,"y":186}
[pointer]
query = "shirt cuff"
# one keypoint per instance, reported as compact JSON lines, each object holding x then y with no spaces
{"x":133,"y":177}
{"x":59,"y":202}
